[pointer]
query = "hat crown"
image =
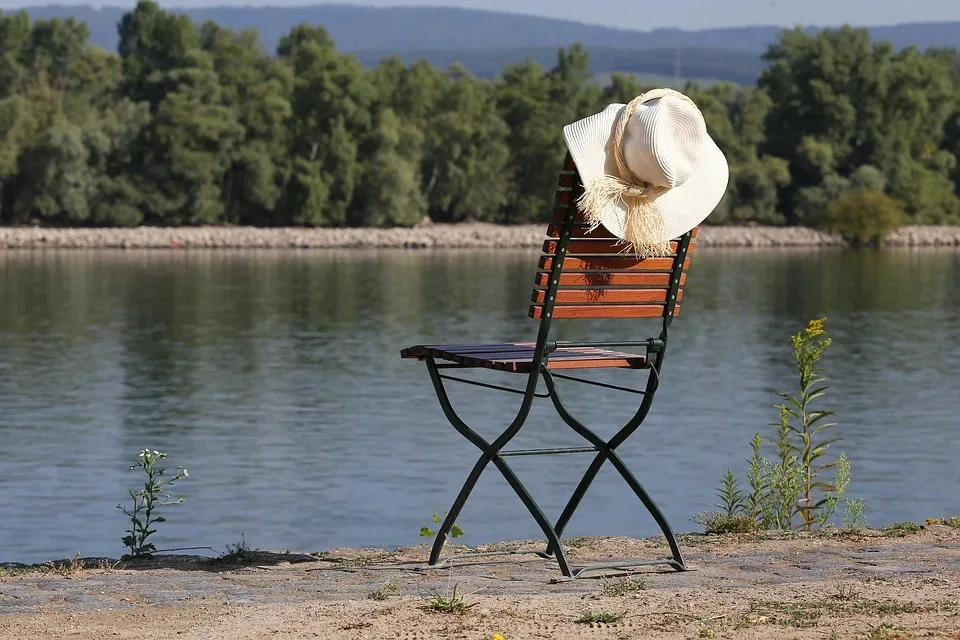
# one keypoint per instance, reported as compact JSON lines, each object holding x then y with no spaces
{"x":663,"y":141}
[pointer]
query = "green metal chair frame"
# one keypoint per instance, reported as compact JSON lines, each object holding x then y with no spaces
{"x":537,"y":360}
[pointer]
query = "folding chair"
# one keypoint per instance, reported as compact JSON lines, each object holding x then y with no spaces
{"x":582,"y":274}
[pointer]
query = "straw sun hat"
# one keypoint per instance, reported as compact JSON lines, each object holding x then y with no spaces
{"x":650,"y":170}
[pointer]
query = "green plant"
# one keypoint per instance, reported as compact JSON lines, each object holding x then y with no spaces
{"x":790,"y":487}
{"x":853,"y":517}
{"x":901,"y":529}
{"x":879,"y":632}
{"x":718,"y":522}
{"x":601,"y":617}
{"x":427,"y":532}
{"x":576,"y":543}
{"x":841,"y":480}
{"x":736,"y":506}
{"x":238,"y":553}
{"x":731,"y":495}
{"x":70,"y":567}
{"x":783,"y":479}
{"x":448,"y":604}
{"x":146,"y":501}
{"x":753,"y":503}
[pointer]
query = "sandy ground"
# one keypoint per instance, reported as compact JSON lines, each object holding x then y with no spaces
{"x":870,"y":584}
{"x":468,"y":235}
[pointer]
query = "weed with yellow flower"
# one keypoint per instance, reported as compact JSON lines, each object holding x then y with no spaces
{"x":788,"y":489}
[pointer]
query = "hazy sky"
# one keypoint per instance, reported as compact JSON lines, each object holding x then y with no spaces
{"x":645,"y":14}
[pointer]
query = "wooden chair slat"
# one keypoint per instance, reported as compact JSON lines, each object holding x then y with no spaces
{"x":603,"y":311}
{"x":482,"y":349}
{"x":525,"y":354}
{"x":612,"y":363}
{"x":612,"y":278}
{"x":602,"y":246}
{"x":560,"y":209}
{"x":605,"y":296}
{"x":613,"y":264}
{"x":581,"y":229}
{"x":517,"y":357}
{"x":567,"y":180}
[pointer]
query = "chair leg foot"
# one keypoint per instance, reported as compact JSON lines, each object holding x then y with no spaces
{"x":679,"y":566}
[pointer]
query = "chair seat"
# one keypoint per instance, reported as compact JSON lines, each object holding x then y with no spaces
{"x":517,"y":357}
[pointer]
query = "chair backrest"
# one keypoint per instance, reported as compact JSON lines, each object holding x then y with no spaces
{"x":595,"y":277}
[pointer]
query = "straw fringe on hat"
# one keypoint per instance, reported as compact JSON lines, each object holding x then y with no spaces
{"x":650,"y":170}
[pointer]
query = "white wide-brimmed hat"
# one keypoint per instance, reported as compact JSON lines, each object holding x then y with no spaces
{"x":650,"y":170}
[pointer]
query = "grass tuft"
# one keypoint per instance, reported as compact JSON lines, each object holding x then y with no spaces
{"x":599,"y":617}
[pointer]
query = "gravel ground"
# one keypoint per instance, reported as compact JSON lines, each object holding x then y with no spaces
{"x":868,"y":584}
{"x":422,"y":237}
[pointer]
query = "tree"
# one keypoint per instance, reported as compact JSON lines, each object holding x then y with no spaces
{"x":55,"y":178}
{"x":330,"y":113}
{"x":466,"y":152}
{"x":841,"y":101}
{"x":153,"y":43}
{"x":258,"y":89}
{"x":535,"y":142}
{"x":18,"y":124}
{"x":389,"y":191}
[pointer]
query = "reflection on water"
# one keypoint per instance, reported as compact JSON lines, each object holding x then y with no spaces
{"x":274,"y":377}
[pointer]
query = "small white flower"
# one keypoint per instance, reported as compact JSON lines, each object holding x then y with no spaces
{"x":185,"y":474}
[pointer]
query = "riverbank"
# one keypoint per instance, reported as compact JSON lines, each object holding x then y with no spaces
{"x":900,"y":582}
{"x":429,"y":236}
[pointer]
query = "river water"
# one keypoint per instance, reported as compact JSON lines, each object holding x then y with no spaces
{"x":274,"y":378}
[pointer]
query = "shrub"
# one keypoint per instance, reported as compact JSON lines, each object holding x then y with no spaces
{"x":862,"y":216}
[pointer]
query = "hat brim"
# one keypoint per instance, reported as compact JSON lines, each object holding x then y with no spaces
{"x":683,"y":207}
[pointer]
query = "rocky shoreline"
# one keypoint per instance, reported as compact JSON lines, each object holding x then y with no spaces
{"x":429,"y":236}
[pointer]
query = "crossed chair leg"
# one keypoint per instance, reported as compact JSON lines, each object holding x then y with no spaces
{"x":605,"y":450}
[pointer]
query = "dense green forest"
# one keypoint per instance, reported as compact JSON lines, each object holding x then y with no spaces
{"x":198,"y":124}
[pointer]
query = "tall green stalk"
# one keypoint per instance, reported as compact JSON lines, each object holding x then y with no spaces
{"x":808,"y":348}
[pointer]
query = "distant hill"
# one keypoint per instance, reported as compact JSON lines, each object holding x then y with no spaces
{"x":484,"y":41}
{"x":735,"y":66}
